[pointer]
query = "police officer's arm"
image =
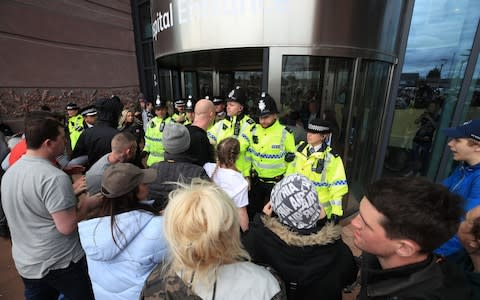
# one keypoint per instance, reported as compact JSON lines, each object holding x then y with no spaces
{"x":337,"y":183}
{"x":80,"y":146}
{"x":289,"y":148}
{"x":245,"y":139}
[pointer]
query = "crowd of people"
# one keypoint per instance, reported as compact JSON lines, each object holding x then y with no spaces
{"x":215,"y":203}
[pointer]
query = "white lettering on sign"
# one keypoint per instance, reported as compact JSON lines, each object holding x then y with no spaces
{"x":194,"y":11}
{"x":163,"y":21}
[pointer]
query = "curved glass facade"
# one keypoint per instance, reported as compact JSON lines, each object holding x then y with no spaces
{"x":388,"y":90}
{"x":432,"y":93}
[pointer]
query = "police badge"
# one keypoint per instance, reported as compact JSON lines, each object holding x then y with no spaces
{"x":261,"y":105}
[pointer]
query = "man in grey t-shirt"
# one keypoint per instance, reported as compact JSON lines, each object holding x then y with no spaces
{"x":42,"y":213}
{"x":124,"y":146}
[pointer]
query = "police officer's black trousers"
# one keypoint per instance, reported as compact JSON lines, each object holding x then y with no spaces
{"x":258,"y":196}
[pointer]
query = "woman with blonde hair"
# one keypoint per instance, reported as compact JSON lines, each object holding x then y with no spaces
{"x":207,"y":259}
{"x":225,"y":174}
{"x":129,"y":123}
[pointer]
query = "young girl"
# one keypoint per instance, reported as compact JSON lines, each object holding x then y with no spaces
{"x":225,"y":174}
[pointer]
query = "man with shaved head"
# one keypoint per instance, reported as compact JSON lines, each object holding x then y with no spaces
{"x":124,"y":146}
{"x":200,"y":148}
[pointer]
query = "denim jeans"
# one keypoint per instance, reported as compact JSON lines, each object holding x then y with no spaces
{"x":73,"y":282}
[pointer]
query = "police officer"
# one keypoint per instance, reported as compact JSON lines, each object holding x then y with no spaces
{"x":236,"y":123}
{"x":270,"y":148}
{"x":89,"y":114}
{"x":219,"y":108}
{"x":317,"y":161}
{"x":154,"y":133}
{"x":179,"y":115}
{"x":74,"y":123}
{"x":189,"y":109}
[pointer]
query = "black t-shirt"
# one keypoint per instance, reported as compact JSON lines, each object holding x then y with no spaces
{"x":201,"y":151}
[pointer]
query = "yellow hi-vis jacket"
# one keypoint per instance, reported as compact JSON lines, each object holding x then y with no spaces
{"x":270,"y":150}
{"x":154,"y":139}
{"x":325,"y":169}
{"x":232,"y":127}
{"x":75,"y":129}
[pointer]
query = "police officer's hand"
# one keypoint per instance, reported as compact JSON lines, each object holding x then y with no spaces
{"x":267,"y":209}
{"x":249,"y":182}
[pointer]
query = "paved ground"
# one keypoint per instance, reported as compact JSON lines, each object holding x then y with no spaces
{"x":11,"y":286}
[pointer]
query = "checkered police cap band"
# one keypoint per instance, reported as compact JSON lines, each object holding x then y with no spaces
{"x":318,"y":127}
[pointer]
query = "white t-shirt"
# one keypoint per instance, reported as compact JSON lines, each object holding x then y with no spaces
{"x":231,"y":181}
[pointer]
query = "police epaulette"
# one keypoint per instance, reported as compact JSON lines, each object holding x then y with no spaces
{"x":250,"y":121}
{"x":288,"y":129}
{"x":301,"y":146}
{"x":334,"y":153}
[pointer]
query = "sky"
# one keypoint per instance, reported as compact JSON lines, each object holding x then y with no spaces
{"x":441,"y":32}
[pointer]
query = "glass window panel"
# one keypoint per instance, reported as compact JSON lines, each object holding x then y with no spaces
{"x":164,"y":82}
{"x":190,"y":84}
{"x":205,"y":82}
{"x":252,"y":82}
{"x":226,"y":83}
{"x":302,"y":82}
{"x":366,"y":121}
{"x":145,"y":23}
{"x":439,"y":43}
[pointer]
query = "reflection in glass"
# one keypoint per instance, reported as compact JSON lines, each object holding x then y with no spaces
{"x":205,"y":83}
{"x":317,"y":87}
{"x":251,"y":81}
{"x":367,"y":109}
{"x":164,"y":82}
{"x":190,"y":84}
{"x":441,"y":36}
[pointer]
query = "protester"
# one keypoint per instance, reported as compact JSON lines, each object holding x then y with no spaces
{"x":207,"y":258}
{"x":225,"y":174}
{"x":123,"y":150}
{"x":400,"y":222}
{"x":125,"y":241}
{"x":42,"y":212}
{"x":295,"y":240}
{"x":464,"y":181}
{"x":469,"y":235}
{"x":95,"y":142}
{"x":177,"y":166}
{"x":200,"y":148}
{"x":129,"y":123}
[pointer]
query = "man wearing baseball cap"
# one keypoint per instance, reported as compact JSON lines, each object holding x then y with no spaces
{"x":465,"y":179}
{"x":317,"y":161}
{"x":236,"y":123}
